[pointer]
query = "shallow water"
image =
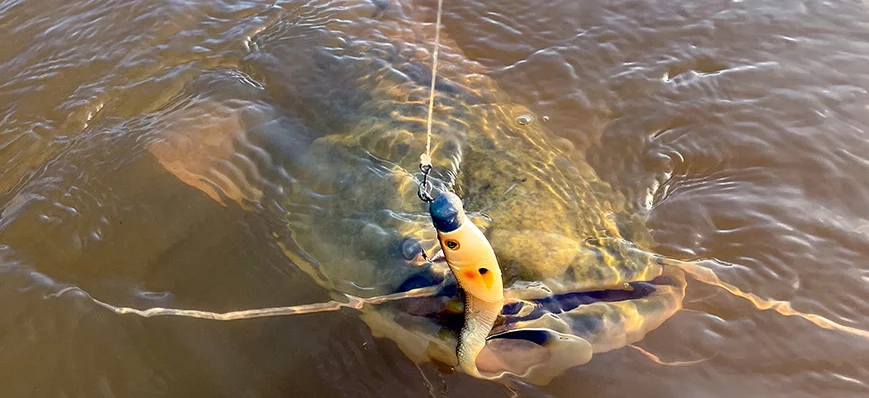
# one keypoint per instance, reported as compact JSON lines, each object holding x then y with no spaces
{"x":743,"y":125}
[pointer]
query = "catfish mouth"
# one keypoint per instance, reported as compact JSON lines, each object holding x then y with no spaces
{"x":447,"y":307}
{"x":538,"y":334}
{"x":532,"y":331}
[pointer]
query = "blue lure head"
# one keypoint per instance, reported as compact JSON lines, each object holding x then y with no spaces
{"x":446,"y":212}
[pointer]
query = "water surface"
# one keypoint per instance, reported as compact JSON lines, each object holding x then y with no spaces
{"x":741,"y":125}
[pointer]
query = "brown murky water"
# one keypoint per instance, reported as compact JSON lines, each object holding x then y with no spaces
{"x":744,"y":123}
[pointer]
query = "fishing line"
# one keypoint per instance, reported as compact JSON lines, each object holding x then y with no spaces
{"x":425,"y":159}
{"x":354,"y":302}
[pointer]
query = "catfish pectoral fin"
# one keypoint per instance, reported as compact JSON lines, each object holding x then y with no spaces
{"x":199,"y":147}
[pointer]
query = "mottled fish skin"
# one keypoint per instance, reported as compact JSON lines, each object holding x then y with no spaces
{"x":364,"y":84}
{"x":358,"y":73}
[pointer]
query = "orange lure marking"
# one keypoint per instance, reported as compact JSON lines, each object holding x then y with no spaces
{"x":470,"y":274}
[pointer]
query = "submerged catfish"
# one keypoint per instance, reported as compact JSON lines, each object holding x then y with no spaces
{"x":577,"y":276}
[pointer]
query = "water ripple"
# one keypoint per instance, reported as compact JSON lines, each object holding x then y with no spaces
{"x":739,"y":127}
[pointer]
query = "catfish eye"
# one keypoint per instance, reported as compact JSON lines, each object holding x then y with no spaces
{"x":452,"y":245}
{"x":483,"y":271}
